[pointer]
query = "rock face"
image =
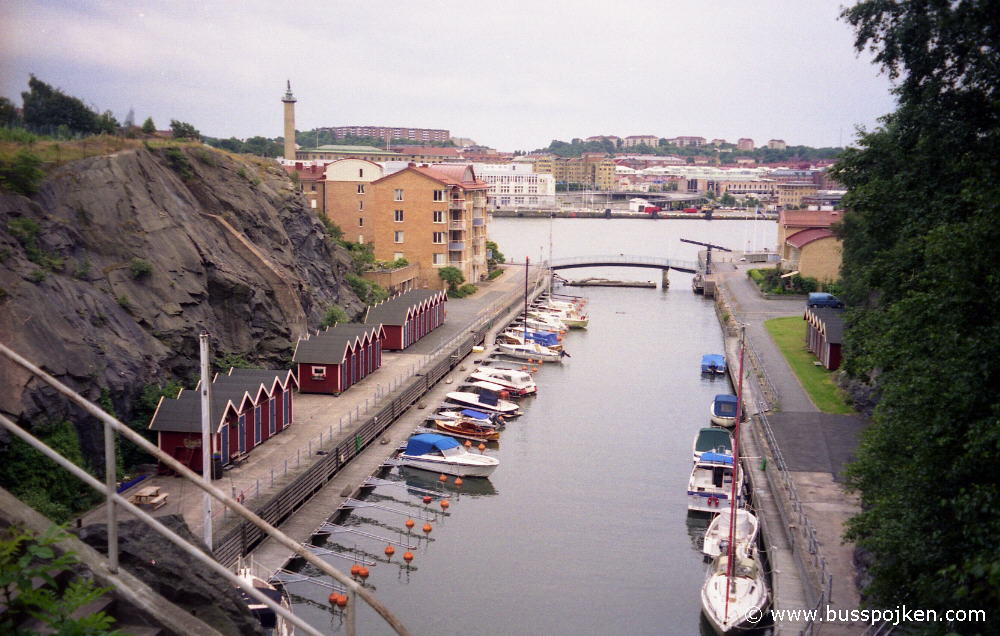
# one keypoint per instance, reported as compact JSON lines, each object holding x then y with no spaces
{"x":131,"y":255}
{"x":175,"y":575}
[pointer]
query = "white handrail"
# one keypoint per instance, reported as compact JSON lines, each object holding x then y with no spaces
{"x":182,"y":470}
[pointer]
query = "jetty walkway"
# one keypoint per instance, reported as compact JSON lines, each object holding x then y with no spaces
{"x":795,"y":458}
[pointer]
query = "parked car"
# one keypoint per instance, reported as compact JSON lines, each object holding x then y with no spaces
{"x":822,"y":299}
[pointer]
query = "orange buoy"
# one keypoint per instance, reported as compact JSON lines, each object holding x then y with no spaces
{"x":504,"y":395}
{"x":409,"y":524}
{"x":342,"y":600}
{"x":333,"y":598}
{"x":534,"y":369}
{"x":444,"y":504}
{"x":407,"y":556}
{"x":443,"y":477}
{"x":427,"y":499}
{"x":355,"y":569}
{"x":458,"y":480}
{"x":363,"y":573}
{"x":427,"y":528}
{"x":389,"y":551}
{"x":482,"y":447}
{"x":467,"y":444}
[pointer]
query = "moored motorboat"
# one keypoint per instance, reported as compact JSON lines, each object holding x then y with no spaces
{"x":711,"y":483}
{"x":442,"y":454}
{"x":544,"y":323}
{"x":531,"y":351}
{"x":722,"y":412}
{"x":467,"y":429}
{"x":737,"y":599}
{"x":488,"y":401}
{"x":517,"y":383}
{"x":571,"y":319}
{"x":272,"y":623}
{"x":548,"y":339}
{"x":480,"y":418}
{"x":717,"y":534}
{"x":713,"y":363}
{"x":711,"y":440}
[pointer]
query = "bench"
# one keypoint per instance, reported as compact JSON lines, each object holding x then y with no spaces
{"x":149,"y":497}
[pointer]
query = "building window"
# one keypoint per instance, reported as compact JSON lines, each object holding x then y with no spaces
{"x":361,"y":221}
{"x":361,"y":188}
{"x":439,"y":195}
{"x":361,"y":238}
{"x":397,"y":236}
{"x":504,"y":200}
{"x":312,"y":187}
{"x":397,"y":255}
{"x":361,"y":172}
{"x":439,"y":259}
{"x":397,"y":216}
{"x":397,"y":194}
{"x":361,"y":205}
{"x":439,"y":216}
{"x":312,"y":203}
{"x":319,"y":373}
{"x":438,"y":237}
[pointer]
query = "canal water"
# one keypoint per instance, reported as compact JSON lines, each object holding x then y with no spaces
{"x":583,"y":528}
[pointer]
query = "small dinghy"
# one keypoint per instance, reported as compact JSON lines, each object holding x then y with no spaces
{"x":723,"y":410}
{"x":713,"y":363}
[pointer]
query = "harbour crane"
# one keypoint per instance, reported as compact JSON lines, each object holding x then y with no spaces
{"x":708,"y":252}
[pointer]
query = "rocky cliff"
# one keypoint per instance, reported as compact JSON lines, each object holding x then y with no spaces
{"x":109,"y":273}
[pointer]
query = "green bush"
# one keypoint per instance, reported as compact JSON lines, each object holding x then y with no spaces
{"x":367,"y":291}
{"x":334,"y":315}
{"x":453,"y":276}
{"x":21,"y":174}
{"x":179,"y":163}
{"x":139,"y":269}
{"x":496,"y":273}
{"x":124,"y":301}
{"x":38,"y":276}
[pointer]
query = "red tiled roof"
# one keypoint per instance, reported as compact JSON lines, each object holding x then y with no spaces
{"x":456,"y":174}
{"x":800,"y":239}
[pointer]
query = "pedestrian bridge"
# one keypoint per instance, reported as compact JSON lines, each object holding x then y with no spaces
{"x":626,"y":260}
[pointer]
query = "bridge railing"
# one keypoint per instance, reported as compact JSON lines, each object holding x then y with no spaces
{"x":625,"y":259}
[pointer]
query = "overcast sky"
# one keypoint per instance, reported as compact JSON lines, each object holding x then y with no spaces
{"x":510,"y":74}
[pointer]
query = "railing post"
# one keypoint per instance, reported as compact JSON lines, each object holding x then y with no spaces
{"x":109,"y":474}
{"x":349,"y":613}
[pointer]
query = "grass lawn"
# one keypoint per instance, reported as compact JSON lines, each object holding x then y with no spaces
{"x":790,"y":334}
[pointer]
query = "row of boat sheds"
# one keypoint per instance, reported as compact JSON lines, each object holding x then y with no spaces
{"x":454,"y":443}
{"x":249,"y":406}
{"x":735,"y":593}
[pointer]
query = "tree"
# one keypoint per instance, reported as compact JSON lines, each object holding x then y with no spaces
{"x":495,"y":255}
{"x":184,"y":130}
{"x":920,"y":263}
{"x":8,"y":113}
{"x":148,"y":127}
{"x":451,"y":275}
{"x":49,"y":108}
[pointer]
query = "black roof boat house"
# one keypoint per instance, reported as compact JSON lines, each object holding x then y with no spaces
{"x":248,"y":406}
{"x":824,"y":334}
{"x":339,"y":357}
{"x":409,"y":316}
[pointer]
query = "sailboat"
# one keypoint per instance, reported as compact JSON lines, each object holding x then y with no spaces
{"x":735,"y":589}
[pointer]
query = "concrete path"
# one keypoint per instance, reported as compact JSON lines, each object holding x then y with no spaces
{"x":815,"y":447}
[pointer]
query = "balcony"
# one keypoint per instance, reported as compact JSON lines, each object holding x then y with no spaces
{"x":456,"y":204}
{"x":456,"y":246}
{"x":478,"y":221}
{"x":457,"y":225}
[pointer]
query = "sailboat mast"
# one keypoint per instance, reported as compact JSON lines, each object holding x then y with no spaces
{"x":526,"y":300}
{"x":736,"y":467}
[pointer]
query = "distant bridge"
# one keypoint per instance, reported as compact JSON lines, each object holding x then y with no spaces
{"x":625,"y":260}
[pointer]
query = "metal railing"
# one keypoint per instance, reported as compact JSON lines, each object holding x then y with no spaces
{"x":114,"y":501}
{"x":626,"y":260}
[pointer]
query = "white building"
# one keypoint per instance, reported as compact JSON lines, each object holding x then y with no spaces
{"x":516,"y":185}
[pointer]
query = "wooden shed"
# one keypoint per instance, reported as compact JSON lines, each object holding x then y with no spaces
{"x":824,"y":334}
{"x":409,"y":316}
{"x":247,"y":407}
{"x":334,"y":360}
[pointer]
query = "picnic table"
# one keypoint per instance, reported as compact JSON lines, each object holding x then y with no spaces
{"x":149,"y":497}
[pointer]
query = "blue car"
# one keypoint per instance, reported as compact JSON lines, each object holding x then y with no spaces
{"x":822,"y":299}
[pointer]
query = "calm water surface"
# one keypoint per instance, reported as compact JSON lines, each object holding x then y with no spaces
{"x":583,"y":529}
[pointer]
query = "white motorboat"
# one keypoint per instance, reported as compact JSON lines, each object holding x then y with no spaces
{"x":272,"y":623}
{"x":717,"y":534}
{"x":722,"y":412}
{"x":711,"y":439}
{"x":517,"y":383}
{"x":488,"y":401}
{"x":548,"y":339}
{"x":530,"y":351}
{"x":442,"y":454}
{"x":544,"y":323}
{"x":480,"y":418}
{"x":570,"y":318}
{"x":729,"y":598}
{"x":711,"y":483}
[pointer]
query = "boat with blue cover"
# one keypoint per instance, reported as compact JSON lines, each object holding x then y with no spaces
{"x":485,"y":400}
{"x":443,"y":454}
{"x":713,"y":363}
{"x":711,"y":483}
{"x":722,"y":412}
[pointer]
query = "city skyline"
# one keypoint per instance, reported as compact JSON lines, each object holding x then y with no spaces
{"x":512,"y":77}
